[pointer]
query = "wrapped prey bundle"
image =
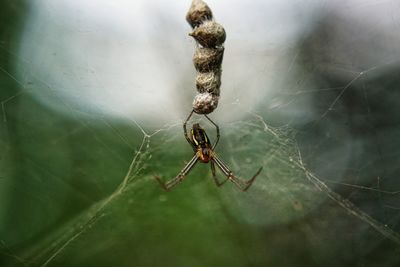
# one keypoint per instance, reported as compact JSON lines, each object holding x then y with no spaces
{"x":210,"y":37}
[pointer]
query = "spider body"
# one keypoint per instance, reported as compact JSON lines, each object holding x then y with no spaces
{"x":205,"y":152}
{"x":201,"y":143}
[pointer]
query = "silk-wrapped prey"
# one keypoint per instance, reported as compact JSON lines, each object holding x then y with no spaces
{"x":198,"y":13}
{"x":209,"y":34}
{"x":209,"y":82}
{"x":208,"y":59}
{"x":205,"y":103}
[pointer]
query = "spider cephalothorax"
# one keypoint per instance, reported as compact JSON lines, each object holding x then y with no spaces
{"x":205,"y":153}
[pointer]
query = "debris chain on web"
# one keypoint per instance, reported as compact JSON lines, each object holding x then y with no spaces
{"x":210,"y":37}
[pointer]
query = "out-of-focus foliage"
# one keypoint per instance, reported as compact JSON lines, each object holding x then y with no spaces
{"x":77,"y":188}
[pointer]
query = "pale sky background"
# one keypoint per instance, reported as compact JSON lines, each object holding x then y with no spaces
{"x":134,"y":58}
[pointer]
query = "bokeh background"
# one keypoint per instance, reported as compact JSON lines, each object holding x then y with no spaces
{"x":93,"y":95}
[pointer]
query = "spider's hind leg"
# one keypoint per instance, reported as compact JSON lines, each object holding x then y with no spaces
{"x":241,"y":184}
{"x":217,"y":182}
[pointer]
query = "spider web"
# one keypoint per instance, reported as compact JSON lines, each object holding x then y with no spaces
{"x":77,"y":184}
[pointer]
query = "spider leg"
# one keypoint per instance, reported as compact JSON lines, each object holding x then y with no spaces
{"x":217,"y":182}
{"x":179,"y":178}
{"x":216,"y":126}
{"x":185,"y":130}
{"x":242,"y":185}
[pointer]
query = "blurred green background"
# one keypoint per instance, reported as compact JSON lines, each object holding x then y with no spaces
{"x":77,"y":187}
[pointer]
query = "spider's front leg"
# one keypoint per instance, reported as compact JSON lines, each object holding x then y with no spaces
{"x":185,"y":130}
{"x":218,"y":135}
{"x":179,"y":178}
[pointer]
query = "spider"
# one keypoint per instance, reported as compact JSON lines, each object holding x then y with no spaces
{"x":205,"y":153}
